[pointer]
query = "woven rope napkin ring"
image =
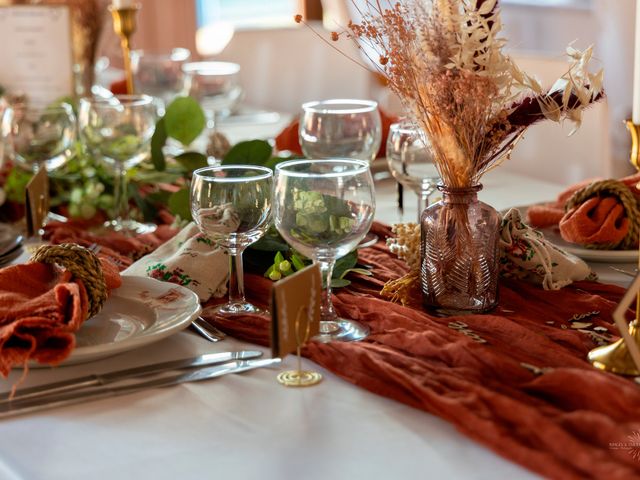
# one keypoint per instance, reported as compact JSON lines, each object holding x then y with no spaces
{"x":83,"y":264}
{"x":616,"y":189}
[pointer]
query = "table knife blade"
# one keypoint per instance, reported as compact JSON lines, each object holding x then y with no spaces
{"x":105,"y":391}
{"x":107,"y":378}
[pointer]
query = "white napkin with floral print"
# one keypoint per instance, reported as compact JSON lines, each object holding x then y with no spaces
{"x":188,"y":259}
{"x":526,"y":254}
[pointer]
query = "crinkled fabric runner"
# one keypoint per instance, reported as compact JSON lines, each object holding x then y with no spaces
{"x":560,"y":423}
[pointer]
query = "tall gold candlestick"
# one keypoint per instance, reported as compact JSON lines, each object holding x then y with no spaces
{"x":124,"y":24}
{"x":619,"y":356}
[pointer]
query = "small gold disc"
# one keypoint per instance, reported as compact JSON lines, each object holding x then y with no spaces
{"x":299,"y":378}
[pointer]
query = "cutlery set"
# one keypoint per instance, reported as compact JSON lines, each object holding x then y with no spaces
{"x":10,"y":244}
{"x":122,"y":382}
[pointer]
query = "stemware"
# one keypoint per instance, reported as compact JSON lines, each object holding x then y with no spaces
{"x":323,"y":209}
{"x":411,"y":162}
{"x":39,"y":136}
{"x":160,"y":74}
{"x":118,"y":130}
{"x":340,"y":129}
{"x":231,"y":205}
{"x":215,"y":85}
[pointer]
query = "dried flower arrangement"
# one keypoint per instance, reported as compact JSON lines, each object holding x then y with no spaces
{"x":445,"y":61}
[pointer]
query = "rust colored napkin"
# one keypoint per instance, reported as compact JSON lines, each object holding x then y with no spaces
{"x":288,"y":138}
{"x":40,"y":309}
{"x":597,"y":220}
{"x":560,"y":423}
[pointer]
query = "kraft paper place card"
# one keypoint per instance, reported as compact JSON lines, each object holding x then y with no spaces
{"x":37,"y":201}
{"x":37,"y":51}
{"x":295,"y":307}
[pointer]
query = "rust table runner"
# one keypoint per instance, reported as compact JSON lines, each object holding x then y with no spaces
{"x":515,"y":380}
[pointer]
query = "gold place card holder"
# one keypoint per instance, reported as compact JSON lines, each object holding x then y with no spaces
{"x":295,"y":307}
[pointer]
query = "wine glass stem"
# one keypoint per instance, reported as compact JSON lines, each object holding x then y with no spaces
{"x":120,"y":193}
{"x":423,"y":202}
{"x":236,"y":277}
{"x":327,"y":312}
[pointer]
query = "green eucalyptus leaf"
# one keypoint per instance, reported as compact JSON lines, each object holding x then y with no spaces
{"x":191,"y":161}
{"x":179,"y":204}
{"x":252,"y":152}
{"x":344,"y":263}
{"x":158,"y":140}
{"x":360,"y":271}
{"x":16,"y":184}
{"x":184,"y":120}
{"x":339,"y":282}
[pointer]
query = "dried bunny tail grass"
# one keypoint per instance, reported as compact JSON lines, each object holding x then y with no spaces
{"x":406,"y":244}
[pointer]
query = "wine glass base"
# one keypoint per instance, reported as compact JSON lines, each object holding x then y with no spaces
{"x":129,"y":227}
{"x":341,"y":330}
{"x":236,"y":308}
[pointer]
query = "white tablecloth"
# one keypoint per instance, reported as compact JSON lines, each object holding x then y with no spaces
{"x":248,"y":426}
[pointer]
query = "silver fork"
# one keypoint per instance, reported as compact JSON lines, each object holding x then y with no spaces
{"x":207,"y":330}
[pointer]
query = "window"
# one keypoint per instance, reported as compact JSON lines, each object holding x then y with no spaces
{"x":244,"y":14}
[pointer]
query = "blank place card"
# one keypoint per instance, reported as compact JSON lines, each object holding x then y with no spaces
{"x":36,"y":56}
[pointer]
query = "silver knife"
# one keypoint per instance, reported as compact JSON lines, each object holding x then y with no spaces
{"x":106,"y":378}
{"x":106,"y":391}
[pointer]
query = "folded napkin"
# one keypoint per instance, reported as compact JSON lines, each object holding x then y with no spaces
{"x":188,"y":259}
{"x":527,"y":255}
{"x":288,"y":138}
{"x":41,"y":306}
{"x":599,"y":220}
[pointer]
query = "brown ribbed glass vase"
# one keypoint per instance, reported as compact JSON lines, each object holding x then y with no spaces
{"x":459,"y":253}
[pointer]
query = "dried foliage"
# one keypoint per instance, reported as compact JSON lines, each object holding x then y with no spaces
{"x":445,"y":60}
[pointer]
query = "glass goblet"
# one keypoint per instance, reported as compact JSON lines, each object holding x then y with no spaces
{"x":118,"y":130}
{"x":231,"y":205}
{"x":160,"y":74}
{"x":39,"y":137}
{"x":215,"y":85}
{"x":411,"y":162}
{"x":340,"y":129}
{"x":323,"y":209}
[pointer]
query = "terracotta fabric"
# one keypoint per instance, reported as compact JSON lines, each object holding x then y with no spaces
{"x":559,"y":424}
{"x":40,"y":309}
{"x":122,"y":250}
{"x":288,"y":138}
{"x":597,"y":220}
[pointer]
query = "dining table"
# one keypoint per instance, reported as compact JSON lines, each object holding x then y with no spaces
{"x":248,"y":425}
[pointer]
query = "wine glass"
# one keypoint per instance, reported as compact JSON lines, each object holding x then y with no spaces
{"x":119,"y":130}
{"x":323,"y":209}
{"x":411,"y":162}
{"x":160,"y":74}
{"x":231,"y":205}
{"x":215,"y":85}
{"x":39,"y":136}
{"x":340,"y":129}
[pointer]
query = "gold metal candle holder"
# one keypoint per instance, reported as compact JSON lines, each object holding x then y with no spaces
{"x":124,"y":24}
{"x":616,"y":357}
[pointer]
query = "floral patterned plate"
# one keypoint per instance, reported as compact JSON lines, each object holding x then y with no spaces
{"x":140,"y":312}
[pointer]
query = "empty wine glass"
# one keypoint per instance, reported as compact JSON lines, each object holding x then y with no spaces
{"x":340,"y":129}
{"x":323,"y":209}
{"x":119,"y":130}
{"x":231,"y":205}
{"x":411,"y":162}
{"x":160,"y":74}
{"x":39,"y":137}
{"x":215,"y":85}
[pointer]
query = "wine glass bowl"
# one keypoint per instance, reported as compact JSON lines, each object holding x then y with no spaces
{"x":118,"y":130}
{"x":231,"y":205}
{"x":323,"y":209}
{"x":411,"y":162}
{"x":215,"y":85}
{"x":39,"y":136}
{"x":340,"y":128}
{"x":160,"y":74}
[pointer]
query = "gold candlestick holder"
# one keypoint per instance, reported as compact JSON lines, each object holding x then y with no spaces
{"x":619,"y":356}
{"x":124,"y":24}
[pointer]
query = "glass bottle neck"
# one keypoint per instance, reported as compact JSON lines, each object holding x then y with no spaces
{"x":462,"y":195}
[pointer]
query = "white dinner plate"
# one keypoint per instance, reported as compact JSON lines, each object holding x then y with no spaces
{"x":142,"y":311}
{"x":610,"y":256}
